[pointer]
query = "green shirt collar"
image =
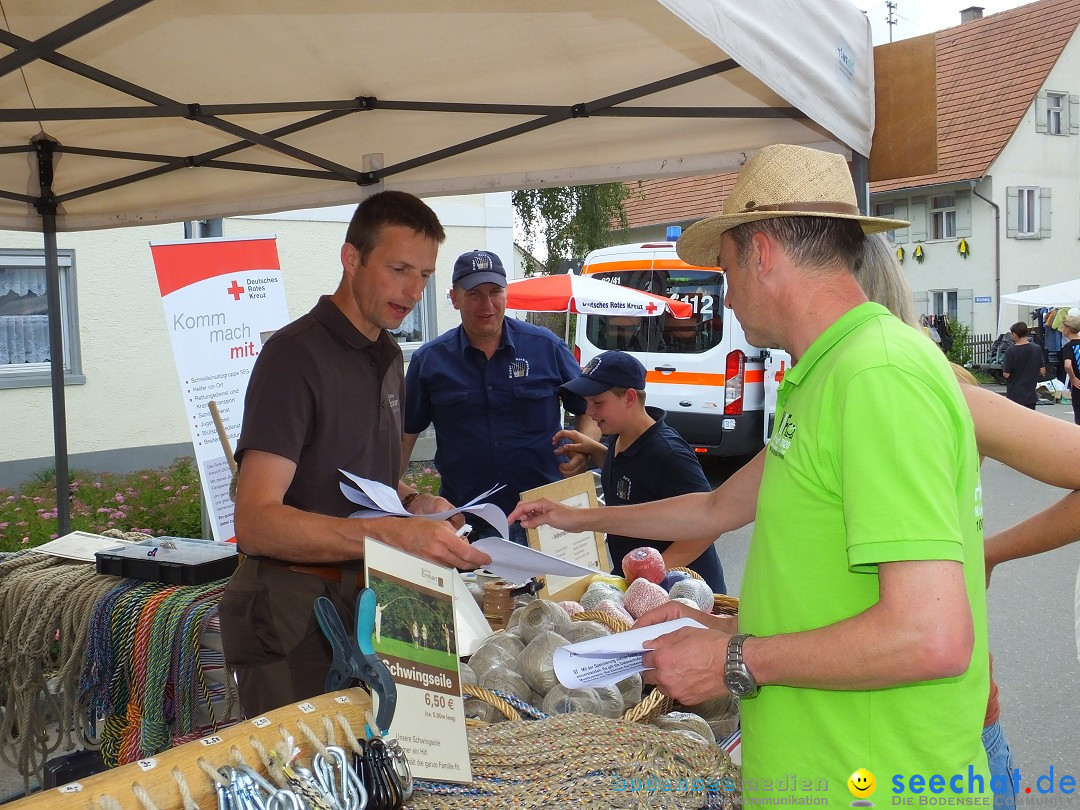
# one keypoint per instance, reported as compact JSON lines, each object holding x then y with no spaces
{"x":849,"y":321}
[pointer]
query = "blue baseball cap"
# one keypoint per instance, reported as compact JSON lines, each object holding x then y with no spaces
{"x":478,"y":267}
{"x":605,"y":371}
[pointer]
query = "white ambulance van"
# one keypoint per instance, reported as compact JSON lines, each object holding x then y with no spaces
{"x":719,"y":392}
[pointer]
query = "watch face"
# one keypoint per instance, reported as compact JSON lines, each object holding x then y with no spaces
{"x":740,"y":683}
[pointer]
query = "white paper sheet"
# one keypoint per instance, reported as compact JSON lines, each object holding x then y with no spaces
{"x":520,"y":563}
{"x":609,"y":659}
{"x":472,"y":627}
{"x":378,"y":500}
{"x":81,"y":546}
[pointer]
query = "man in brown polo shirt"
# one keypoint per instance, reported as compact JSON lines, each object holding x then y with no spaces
{"x":326,"y":394}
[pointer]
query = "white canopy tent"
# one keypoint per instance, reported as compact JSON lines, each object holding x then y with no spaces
{"x":144,"y":111}
{"x":1065,"y":294}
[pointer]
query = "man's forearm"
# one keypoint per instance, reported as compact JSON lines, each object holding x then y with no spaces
{"x":903,"y":638}
{"x":1053,"y":527}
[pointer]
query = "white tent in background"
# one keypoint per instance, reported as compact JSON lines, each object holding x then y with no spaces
{"x":1065,"y":294}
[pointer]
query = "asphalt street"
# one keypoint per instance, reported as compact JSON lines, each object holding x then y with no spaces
{"x":1030,"y":605}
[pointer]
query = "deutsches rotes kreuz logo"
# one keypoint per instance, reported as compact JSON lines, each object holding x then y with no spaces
{"x":782,"y":436}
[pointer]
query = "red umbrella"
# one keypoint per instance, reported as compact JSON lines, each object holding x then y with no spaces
{"x":583,"y":294}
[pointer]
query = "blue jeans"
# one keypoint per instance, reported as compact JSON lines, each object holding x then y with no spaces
{"x":1002,"y":775}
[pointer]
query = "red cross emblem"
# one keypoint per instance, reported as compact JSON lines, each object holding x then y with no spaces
{"x":650,"y":307}
{"x":235,"y":290}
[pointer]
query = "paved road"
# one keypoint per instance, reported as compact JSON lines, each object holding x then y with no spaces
{"x":1032,"y":633}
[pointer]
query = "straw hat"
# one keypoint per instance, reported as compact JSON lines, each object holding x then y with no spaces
{"x":781,"y":181}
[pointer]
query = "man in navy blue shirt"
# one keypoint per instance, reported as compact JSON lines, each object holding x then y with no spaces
{"x":641,"y":458}
{"x":491,"y":389}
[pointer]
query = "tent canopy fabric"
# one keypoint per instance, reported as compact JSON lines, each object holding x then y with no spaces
{"x":166,"y":110}
{"x":132,"y":112}
{"x":1065,"y":294}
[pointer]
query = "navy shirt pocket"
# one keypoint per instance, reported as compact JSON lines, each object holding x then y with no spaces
{"x":535,"y":408}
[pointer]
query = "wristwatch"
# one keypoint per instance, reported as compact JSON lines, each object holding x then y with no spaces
{"x":736,"y":676}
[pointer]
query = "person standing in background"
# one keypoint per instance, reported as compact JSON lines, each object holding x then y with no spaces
{"x":491,"y":389}
{"x":1070,"y":356}
{"x":1023,"y":367}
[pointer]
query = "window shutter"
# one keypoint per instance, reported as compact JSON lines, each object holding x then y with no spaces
{"x":1040,"y":112}
{"x":922,"y":302}
{"x":903,"y":235}
{"x":1074,"y":115}
{"x":965,"y":310}
{"x":917,"y":215}
{"x":1011,"y":200}
{"x":963,"y":216}
{"x":1044,"y":212}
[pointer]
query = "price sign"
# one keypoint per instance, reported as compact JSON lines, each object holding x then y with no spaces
{"x":416,"y":638}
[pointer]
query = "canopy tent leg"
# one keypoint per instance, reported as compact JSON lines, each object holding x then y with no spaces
{"x":46,"y":207}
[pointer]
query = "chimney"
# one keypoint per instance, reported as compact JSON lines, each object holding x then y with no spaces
{"x":970,"y":13}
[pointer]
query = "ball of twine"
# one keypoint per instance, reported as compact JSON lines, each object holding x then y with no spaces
{"x":510,"y":682}
{"x":696,"y":590}
{"x":536,"y":661}
{"x":684,"y":721}
{"x":585,"y":631}
{"x":542,"y":616}
{"x":561,"y":700}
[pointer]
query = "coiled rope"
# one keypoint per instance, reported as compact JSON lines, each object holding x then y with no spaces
{"x":578,"y":760}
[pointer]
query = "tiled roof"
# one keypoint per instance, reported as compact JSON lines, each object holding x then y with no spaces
{"x":676,"y":199}
{"x":988,"y":72}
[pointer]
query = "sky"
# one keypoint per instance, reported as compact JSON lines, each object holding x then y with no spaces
{"x":917,"y":17}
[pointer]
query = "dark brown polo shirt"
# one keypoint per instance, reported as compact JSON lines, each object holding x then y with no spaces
{"x":326,"y":397}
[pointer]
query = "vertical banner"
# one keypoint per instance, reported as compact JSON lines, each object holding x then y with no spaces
{"x":220,"y":296}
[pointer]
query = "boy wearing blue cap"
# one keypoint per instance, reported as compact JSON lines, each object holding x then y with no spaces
{"x":641,"y":458}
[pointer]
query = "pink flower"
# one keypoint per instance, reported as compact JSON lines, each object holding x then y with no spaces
{"x":25,"y":540}
{"x":119,"y":497}
{"x":53,"y":536}
{"x":104,"y":510}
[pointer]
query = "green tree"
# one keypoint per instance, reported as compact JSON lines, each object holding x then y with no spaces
{"x":571,"y":220}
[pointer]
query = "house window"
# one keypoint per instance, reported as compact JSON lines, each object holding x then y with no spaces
{"x":943,"y":216}
{"x":943,"y":302}
{"x":418,"y":326}
{"x":1027,"y":212}
{"x":1055,"y":104}
{"x":24,"y":320}
{"x":887,"y":210}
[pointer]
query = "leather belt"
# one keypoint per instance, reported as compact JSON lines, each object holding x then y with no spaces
{"x":331,"y":573}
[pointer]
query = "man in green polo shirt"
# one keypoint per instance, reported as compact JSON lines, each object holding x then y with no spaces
{"x":861,"y":637}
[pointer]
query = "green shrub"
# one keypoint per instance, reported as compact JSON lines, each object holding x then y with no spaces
{"x":424,"y":477}
{"x":961,"y":352}
{"x":157,"y":502}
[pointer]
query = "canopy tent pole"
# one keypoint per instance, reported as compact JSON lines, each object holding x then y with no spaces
{"x":46,"y":207}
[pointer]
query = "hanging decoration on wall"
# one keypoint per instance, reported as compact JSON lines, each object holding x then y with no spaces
{"x":900,"y":254}
{"x":918,"y":254}
{"x":962,"y":248}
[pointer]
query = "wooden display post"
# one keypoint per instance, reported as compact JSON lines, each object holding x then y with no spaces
{"x":583,"y":548}
{"x":155,"y":774}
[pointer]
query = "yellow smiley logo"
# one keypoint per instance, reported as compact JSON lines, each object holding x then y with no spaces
{"x":862,"y":784}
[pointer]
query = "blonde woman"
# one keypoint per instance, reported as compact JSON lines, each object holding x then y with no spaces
{"x":1070,"y":354}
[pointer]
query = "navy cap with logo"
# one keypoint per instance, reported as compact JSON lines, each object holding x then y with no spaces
{"x":478,"y":267}
{"x":605,"y":371}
